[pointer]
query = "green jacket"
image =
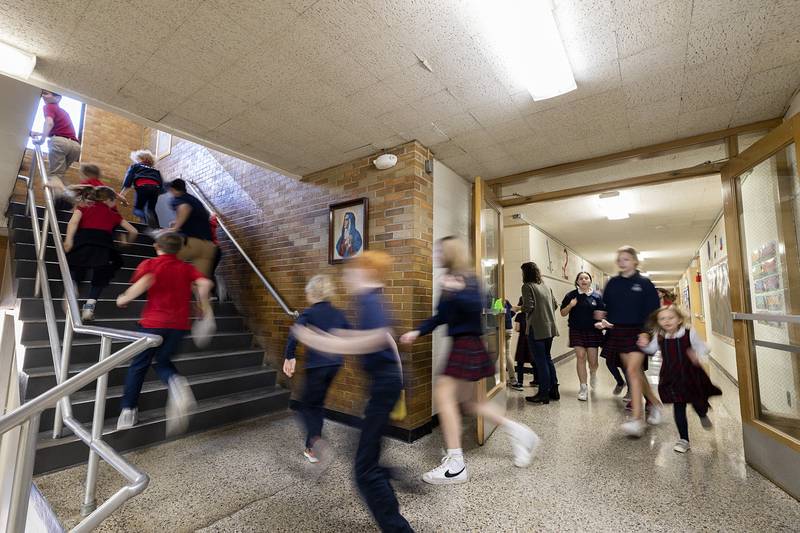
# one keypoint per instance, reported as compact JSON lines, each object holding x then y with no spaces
{"x":539,"y":305}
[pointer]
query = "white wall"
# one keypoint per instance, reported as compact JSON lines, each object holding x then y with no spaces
{"x":722,"y":349}
{"x":18,"y":102}
{"x":528,"y":243}
{"x":452,"y":206}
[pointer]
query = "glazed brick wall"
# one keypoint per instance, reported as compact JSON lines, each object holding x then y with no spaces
{"x":282,"y":222}
{"x":107,"y":141}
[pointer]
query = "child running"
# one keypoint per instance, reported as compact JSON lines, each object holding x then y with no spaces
{"x":682,"y":380}
{"x":168,"y":282}
{"x":461,"y":307}
{"x":147,"y":183}
{"x":583,"y":306}
{"x":89,"y":242}
{"x":320,"y":368}
{"x":91,"y":177}
{"x":630,"y":299}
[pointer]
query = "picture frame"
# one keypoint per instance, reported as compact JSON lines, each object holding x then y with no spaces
{"x":348,"y":230}
{"x":163,"y":144}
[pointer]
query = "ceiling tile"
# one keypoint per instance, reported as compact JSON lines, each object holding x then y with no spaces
{"x":704,"y":120}
{"x":404,"y":119}
{"x":446,"y":149}
{"x":771,"y":54}
{"x":210,"y":107}
{"x":414,"y":83}
{"x":457,"y":124}
{"x":717,"y":11}
{"x":509,"y":130}
{"x":375,"y":100}
{"x":473,"y":140}
{"x":262,"y":18}
{"x":737,"y":35}
{"x":762,"y":106}
{"x":661,"y":22}
{"x":664,"y":57}
{"x":476,"y":92}
{"x":712,"y":84}
{"x":658,"y":86}
{"x":427,"y":135}
{"x":438,"y":105}
{"x":781,"y":80}
{"x":495,"y":112}
{"x":782,"y":20}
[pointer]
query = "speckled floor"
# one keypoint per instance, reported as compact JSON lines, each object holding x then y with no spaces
{"x":587,"y":477}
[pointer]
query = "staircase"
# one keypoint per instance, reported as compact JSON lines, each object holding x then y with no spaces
{"x":228,"y":377}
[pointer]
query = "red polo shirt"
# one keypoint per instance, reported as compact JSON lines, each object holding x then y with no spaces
{"x":169,"y":298}
{"x":62,"y":124}
{"x":98,"y":215}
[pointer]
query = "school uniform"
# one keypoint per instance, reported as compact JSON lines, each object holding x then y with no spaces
{"x":629,"y":303}
{"x":383,"y":369}
{"x":148,"y":185}
{"x":680,"y":381}
{"x":461,"y":310}
{"x":320,"y":368}
{"x":523,"y":353}
{"x":93,"y":246}
{"x":581,"y":321}
{"x":165,"y":313}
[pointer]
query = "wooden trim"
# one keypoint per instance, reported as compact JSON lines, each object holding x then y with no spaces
{"x":704,"y":169}
{"x":644,"y":151}
{"x":778,"y":138}
{"x":774,"y":433}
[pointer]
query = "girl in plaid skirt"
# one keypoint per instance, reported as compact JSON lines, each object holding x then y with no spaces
{"x":460,"y":307}
{"x":584,"y":306}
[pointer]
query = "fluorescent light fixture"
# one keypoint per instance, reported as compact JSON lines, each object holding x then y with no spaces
{"x":527,"y":38}
{"x":613,"y":206}
{"x":15,"y":62}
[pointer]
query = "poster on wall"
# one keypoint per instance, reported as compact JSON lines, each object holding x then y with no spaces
{"x":348,"y":230}
{"x":768,"y":291}
{"x":719,"y":300}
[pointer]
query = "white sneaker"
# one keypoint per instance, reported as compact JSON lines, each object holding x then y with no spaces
{"x":593,"y":379}
{"x":654,"y":418}
{"x":87,"y":312}
{"x":309,"y":454}
{"x":450,"y":472}
{"x":524,"y":442}
{"x":706,"y":423}
{"x":583,"y":395}
{"x":180,"y":404}
{"x":127,"y":418}
{"x":682,"y":446}
{"x":633,"y":428}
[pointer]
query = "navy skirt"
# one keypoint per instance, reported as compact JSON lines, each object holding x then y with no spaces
{"x":469,"y":360}
{"x":619,"y":340}
{"x":585,"y":338}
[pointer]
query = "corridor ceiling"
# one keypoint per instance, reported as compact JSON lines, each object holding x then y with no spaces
{"x":669,"y":221}
{"x":304,"y":84}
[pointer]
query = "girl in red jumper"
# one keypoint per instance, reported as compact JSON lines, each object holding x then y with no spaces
{"x":682,"y":380}
{"x":89,"y":243}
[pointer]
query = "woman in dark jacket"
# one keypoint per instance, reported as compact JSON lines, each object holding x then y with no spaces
{"x":539,"y":305}
{"x":523,"y":353}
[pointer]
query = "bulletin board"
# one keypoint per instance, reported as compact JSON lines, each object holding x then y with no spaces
{"x":767,"y":279}
{"x":720,"y":300}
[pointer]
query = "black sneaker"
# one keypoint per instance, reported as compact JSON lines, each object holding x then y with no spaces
{"x":554,"y":394}
{"x":539,"y":398}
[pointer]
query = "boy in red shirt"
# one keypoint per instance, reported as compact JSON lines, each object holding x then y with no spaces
{"x":168,"y":282}
{"x":90,"y":177}
{"x":63,"y":147}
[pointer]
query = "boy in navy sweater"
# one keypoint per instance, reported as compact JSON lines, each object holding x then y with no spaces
{"x":320,"y":368}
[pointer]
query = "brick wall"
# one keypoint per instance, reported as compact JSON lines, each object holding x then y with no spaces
{"x":107,"y":141}
{"x":283,"y":224}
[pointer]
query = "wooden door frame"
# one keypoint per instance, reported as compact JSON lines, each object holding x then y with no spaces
{"x":483,"y":193}
{"x":778,"y":139}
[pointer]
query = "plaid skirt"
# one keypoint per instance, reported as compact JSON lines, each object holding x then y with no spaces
{"x":619,"y":340}
{"x":469,"y":360}
{"x":585,"y":338}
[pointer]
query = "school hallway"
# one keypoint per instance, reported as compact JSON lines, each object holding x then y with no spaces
{"x":586,"y":477}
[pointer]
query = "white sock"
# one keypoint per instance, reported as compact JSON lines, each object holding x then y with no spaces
{"x":90,"y":301}
{"x":456,"y":456}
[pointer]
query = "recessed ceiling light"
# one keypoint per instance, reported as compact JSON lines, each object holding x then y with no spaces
{"x":526,"y":36}
{"x":15,"y":62}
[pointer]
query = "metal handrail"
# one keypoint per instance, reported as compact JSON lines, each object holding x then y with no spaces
{"x":27,"y":415}
{"x":210,"y":208}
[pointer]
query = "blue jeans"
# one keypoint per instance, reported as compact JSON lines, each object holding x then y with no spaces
{"x":372,"y":479}
{"x":163,"y":367}
{"x":546,"y":370}
{"x":318,"y":380}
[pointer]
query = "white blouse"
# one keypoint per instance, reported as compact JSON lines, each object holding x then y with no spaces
{"x":697,"y":343}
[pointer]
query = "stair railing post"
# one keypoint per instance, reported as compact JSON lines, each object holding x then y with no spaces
{"x":90,"y":500}
{"x":23,"y":475}
{"x":63,"y":374}
{"x":37,"y":290}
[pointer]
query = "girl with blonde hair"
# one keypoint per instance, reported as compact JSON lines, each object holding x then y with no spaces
{"x":320,"y":368}
{"x":460,"y":307}
{"x":147,"y":183}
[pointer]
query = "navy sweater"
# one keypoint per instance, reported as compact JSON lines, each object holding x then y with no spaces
{"x":138,"y":171}
{"x":460,"y":310}
{"x":630,"y":301}
{"x":582,"y":315}
{"x":326,"y":317}
{"x":372,"y":314}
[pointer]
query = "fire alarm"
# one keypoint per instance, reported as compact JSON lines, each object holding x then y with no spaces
{"x":698,"y":277}
{"x":385,"y":161}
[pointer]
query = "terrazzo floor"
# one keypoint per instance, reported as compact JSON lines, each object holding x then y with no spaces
{"x":252,"y":477}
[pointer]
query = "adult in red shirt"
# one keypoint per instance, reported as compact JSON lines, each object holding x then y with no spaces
{"x":63,"y":145}
{"x":168,"y":282}
{"x":89,"y":243}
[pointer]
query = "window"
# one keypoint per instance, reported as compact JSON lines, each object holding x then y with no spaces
{"x":74,"y":108}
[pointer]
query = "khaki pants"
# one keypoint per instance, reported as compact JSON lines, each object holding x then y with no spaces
{"x":62,"y":152}
{"x":200,"y":253}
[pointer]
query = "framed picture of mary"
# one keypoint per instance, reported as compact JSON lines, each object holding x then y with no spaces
{"x":348,"y":230}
